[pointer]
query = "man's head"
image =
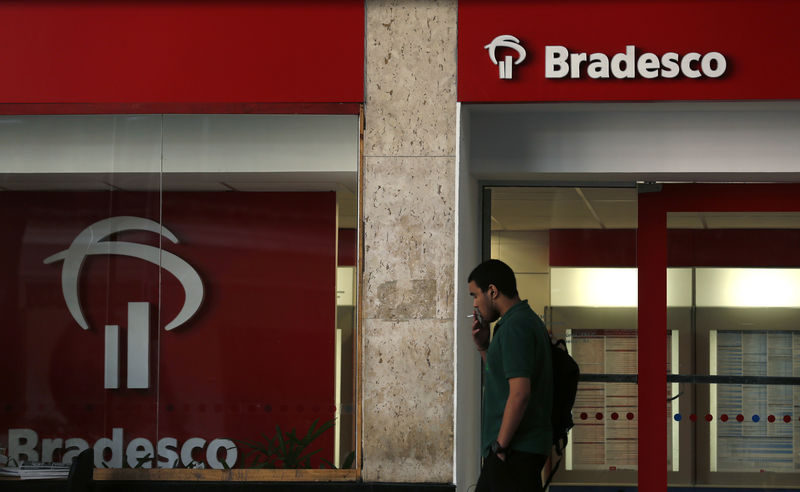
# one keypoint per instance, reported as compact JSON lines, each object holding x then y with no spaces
{"x":491,"y":284}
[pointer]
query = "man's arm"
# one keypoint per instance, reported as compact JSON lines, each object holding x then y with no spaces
{"x":519,"y":392}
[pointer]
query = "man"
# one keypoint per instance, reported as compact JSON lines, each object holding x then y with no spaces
{"x":516,"y":434}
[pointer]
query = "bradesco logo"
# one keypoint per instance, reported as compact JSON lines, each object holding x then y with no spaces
{"x":506,"y":65}
{"x":561,"y":63}
{"x":167,"y":452}
{"x":90,"y":242}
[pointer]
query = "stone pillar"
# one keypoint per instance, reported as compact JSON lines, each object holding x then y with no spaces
{"x":409,"y":234}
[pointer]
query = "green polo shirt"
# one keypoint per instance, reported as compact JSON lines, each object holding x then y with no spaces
{"x":520,"y":347}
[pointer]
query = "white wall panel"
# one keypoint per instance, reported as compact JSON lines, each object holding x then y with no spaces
{"x":523,"y":251}
{"x":80,"y":144}
{"x":467,"y":455}
{"x":535,"y":288}
{"x":637,"y":139}
{"x":613,"y":287}
{"x":56,"y":144}
{"x":748,"y":287}
{"x":679,"y":287}
{"x":594,"y":287}
{"x":259,"y":143}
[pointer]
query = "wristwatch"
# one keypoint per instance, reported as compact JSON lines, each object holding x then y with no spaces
{"x":497,"y":448}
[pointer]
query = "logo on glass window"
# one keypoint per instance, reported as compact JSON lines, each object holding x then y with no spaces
{"x":90,"y":242}
{"x":506,"y":64}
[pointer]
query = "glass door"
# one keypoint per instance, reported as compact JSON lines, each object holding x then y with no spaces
{"x":573,"y":250}
{"x":719,"y":271}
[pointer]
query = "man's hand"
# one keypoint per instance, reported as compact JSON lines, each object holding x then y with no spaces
{"x":480,"y":333}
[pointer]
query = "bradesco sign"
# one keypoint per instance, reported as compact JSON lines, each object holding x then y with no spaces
{"x":616,"y":51}
{"x":560,"y":63}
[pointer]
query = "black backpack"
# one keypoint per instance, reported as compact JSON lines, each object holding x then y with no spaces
{"x":565,"y":385}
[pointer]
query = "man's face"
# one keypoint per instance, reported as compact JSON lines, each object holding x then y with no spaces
{"x":482,"y":302}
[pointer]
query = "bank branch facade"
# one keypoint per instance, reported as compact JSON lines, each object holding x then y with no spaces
{"x":236,"y":237}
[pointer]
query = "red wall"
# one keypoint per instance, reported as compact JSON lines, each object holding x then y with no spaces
{"x":685,"y":247}
{"x":348,"y":243}
{"x":181,"y":52}
{"x":758,"y":38}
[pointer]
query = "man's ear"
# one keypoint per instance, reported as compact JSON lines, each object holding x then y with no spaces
{"x":492,"y":291}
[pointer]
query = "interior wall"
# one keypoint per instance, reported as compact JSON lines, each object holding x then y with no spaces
{"x":528,"y":254}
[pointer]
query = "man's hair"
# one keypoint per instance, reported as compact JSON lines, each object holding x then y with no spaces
{"x":497,"y":273}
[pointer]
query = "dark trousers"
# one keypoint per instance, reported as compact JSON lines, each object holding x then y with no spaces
{"x":519,"y":472}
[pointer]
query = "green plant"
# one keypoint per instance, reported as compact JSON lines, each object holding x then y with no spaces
{"x":285,"y":449}
{"x":347,"y":463}
{"x":140,"y":462}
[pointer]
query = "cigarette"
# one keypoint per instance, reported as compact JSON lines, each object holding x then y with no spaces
{"x":470,"y":316}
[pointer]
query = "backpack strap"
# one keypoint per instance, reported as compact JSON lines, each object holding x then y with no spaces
{"x":553,"y":471}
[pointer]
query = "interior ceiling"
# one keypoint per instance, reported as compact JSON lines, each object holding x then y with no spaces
{"x":540,"y":208}
{"x":545,"y":208}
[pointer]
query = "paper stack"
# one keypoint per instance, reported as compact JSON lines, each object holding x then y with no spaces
{"x":30,"y":470}
{"x":9,"y":471}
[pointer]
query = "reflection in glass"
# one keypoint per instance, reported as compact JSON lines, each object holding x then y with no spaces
{"x":761,"y":441}
{"x":607,"y":437}
{"x":673,"y":402}
{"x":79,"y":289}
{"x":745,"y":344}
{"x":270,"y":345}
{"x":574,"y":253}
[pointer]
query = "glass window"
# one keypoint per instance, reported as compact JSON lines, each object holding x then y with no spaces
{"x":738,"y":385}
{"x":574,"y":254}
{"x":180,"y":290}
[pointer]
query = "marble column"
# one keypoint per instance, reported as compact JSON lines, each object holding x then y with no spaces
{"x":409,"y":235}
